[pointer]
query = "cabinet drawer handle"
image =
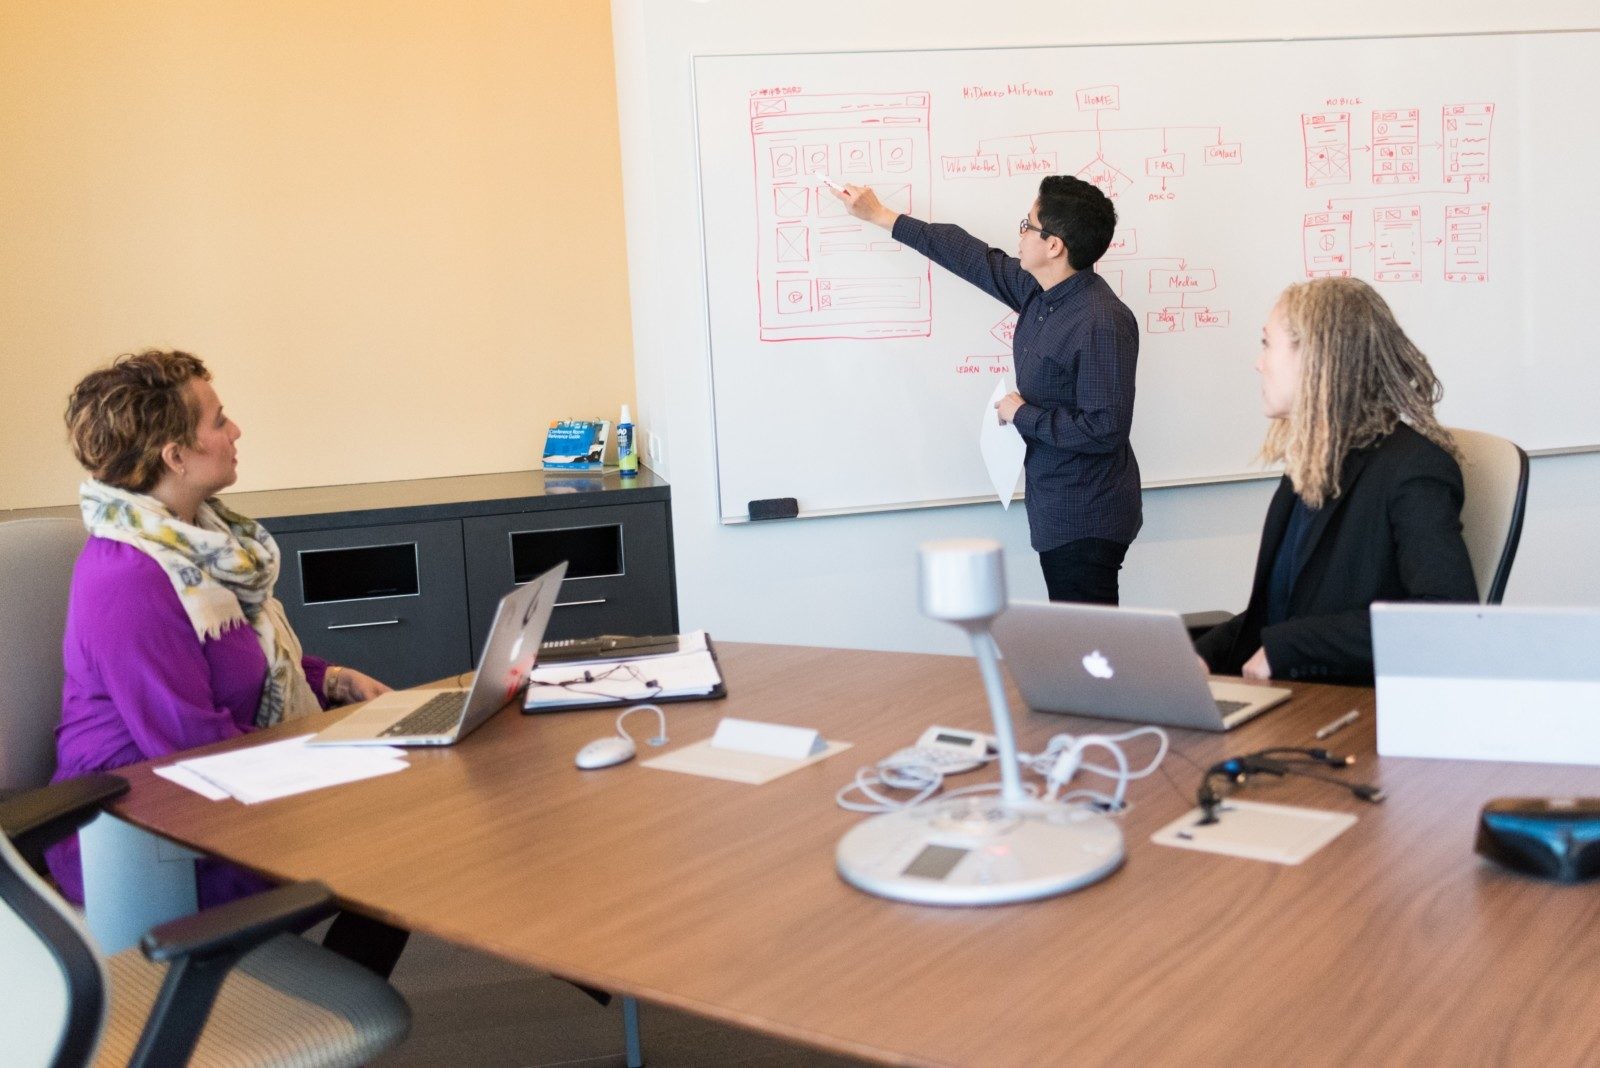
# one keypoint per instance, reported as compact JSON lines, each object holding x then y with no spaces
{"x":575,"y":604}
{"x":353,"y":626}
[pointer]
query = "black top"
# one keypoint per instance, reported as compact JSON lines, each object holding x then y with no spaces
{"x":1283,"y":564}
{"x":1392,"y":534}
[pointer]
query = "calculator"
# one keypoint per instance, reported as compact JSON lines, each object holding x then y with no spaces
{"x":948,"y":750}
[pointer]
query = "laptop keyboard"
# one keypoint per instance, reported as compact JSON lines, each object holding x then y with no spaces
{"x":1228,"y":708}
{"x":435,"y":717}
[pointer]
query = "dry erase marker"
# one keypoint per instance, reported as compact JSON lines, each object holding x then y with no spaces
{"x":831,"y":184}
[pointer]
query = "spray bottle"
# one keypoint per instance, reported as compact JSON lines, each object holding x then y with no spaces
{"x":627,"y":447}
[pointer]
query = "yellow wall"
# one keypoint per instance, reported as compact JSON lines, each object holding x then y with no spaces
{"x":348,"y":209}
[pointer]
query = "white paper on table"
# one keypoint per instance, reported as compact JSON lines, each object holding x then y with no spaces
{"x":1002,"y":447}
{"x":279,"y":769}
{"x":703,"y":758}
{"x":190,"y":781}
{"x":1283,"y":834}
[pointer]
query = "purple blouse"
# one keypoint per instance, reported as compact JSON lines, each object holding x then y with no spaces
{"x":140,"y":685}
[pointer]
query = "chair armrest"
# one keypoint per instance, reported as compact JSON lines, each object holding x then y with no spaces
{"x":239,"y":926}
{"x":1197,"y":623}
{"x":34,"y":819}
{"x":200,"y":950}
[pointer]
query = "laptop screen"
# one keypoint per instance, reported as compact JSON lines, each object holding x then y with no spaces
{"x":513,"y":644}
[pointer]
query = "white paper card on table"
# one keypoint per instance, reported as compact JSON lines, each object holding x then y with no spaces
{"x":1002,"y":447}
{"x":703,"y":758}
{"x":279,"y":769}
{"x":769,"y":739}
{"x":1283,"y":834}
{"x":190,"y":781}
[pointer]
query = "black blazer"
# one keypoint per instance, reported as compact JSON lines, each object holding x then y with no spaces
{"x":1392,"y":534}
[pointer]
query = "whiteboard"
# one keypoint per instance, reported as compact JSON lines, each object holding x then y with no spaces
{"x":1455,"y":173}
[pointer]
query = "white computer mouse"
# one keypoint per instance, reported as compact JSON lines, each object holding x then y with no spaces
{"x":604,"y":752}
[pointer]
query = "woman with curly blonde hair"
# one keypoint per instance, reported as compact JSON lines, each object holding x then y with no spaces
{"x":1369,"y":508}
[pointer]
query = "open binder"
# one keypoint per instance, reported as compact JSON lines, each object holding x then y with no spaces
{"x":692,"y":674}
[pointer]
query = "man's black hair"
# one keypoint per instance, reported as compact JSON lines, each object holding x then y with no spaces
{"x":1080,"y":215}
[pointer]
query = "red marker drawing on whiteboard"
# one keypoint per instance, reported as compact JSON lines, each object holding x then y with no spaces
{"x":831,"y":184}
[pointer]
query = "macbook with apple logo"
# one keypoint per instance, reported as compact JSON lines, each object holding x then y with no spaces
{"x":444,"y":717}
{"x":1130,"y":664}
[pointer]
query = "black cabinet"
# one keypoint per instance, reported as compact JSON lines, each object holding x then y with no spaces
{"x":619,"y":567}
{"x":387,"y":600}
{"x":401,"y":579}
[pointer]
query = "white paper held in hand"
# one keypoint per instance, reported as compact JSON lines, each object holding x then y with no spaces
{"x":1002,"y":447}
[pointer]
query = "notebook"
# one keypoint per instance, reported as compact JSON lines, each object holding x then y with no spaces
{"x":690,"y":674}
{"x":1488,"y":682}
{"x":444,"y":717}
{"x":1120,"y":663}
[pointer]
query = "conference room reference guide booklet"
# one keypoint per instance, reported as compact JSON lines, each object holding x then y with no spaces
{"x":685,"y":675}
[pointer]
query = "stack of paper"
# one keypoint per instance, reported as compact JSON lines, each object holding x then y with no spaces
{"x":690,"y":672}
{"x":280,"y":769}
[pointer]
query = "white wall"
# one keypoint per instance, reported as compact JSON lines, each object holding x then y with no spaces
{"x":851,"y":581}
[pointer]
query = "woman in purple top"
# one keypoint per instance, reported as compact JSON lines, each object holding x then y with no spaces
{"x":173,"y":637}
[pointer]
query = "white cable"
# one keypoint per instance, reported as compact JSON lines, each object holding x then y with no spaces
{"x":1063,"y":758}
{"x":916,"y":770}
{"x":869,"y":779}
{"x":661,"y":720}
{"x":923,"y":778}
{"x":1028,"y":788}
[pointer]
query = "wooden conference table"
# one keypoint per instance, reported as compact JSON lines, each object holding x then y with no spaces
{"x":1395,"y":943}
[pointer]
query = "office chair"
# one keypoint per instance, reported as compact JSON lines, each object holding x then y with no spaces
{"x":36,"y":558}
{"x":228,"y":986}
{"x":1495,"y":472}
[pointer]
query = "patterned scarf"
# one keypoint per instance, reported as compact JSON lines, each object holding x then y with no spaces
{"x":223,"y":568}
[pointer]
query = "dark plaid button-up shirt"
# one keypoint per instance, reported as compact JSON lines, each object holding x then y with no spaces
{"x":1075,"y":350}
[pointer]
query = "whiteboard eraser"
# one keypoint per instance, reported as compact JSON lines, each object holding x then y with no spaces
{"x":774,"y":508}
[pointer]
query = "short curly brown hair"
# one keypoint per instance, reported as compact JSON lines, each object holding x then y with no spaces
{"x":120,"y":417}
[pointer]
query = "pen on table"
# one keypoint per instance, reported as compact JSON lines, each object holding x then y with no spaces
{"x":1338,"y":725}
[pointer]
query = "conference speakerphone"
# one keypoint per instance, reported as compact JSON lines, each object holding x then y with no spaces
{"x":980,"y":850}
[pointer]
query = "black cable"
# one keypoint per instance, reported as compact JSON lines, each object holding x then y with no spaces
{"x":1281,"y":761}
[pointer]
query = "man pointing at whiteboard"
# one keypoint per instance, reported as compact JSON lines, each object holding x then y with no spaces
{"x":1075,"y":349}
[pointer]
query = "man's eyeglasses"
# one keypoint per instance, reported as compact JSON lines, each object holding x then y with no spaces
{"x":1278,"y":762}
{"x":1024,"y":226}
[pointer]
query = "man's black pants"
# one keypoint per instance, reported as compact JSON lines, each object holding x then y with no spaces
{"x":1084,"y":570}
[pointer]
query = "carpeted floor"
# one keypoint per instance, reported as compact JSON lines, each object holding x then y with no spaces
{"x":471,"y":1009}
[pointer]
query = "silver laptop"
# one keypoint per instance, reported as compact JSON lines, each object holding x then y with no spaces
{"x":1120,"y":663}
{"x":1488,"y":682}
{"x":444,"y":717}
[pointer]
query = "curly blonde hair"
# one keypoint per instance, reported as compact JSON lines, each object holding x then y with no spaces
{"x":1360,"y":376}
{"x":120,"y":417}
